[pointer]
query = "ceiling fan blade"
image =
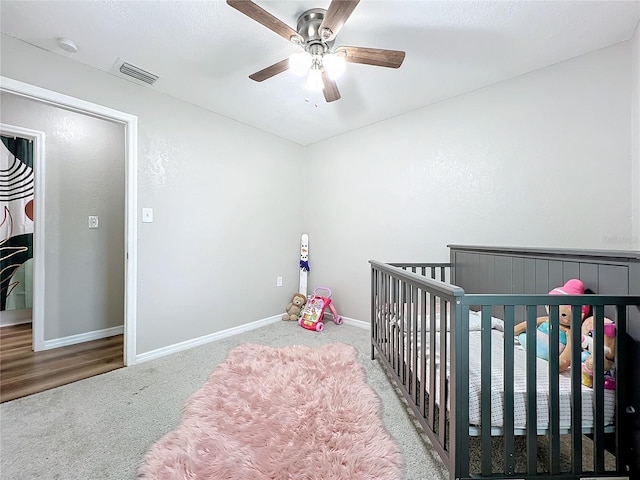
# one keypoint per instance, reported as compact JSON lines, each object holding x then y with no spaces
{"x":330,"y":90}
{"x":338,"y":13}
{"x":263,"y":17}
{"x":373,"y":56}
{"x":269,"y":72}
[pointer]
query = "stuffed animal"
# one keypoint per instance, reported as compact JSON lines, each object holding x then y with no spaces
{"x":294,"y":307}
{"x":572,"y":287}
{"x":609,"y":353}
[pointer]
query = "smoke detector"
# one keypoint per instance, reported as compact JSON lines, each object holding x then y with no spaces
{"x":67,"y":45}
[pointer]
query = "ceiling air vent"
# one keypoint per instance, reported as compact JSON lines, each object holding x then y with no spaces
{"x":138,"y":73}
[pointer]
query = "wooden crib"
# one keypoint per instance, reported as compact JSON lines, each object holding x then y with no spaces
{"x":436,"y":327}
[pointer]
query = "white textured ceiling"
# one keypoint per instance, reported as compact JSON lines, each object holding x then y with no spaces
{"x":204,"y":51}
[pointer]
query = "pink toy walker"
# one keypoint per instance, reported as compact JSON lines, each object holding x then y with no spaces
{"x":313,"y":312}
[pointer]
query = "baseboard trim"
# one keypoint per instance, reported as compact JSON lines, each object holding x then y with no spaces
{"x":9,"y":318}
{"x":196,"y":342}
{"x":83,"y":337}
{"x":13,"y":323}
{"x":356,"y":323}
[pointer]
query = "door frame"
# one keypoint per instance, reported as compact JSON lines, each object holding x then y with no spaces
{"x":130,"y":123}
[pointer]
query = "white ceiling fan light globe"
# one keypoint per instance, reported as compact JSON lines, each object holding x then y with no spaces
{"x":314,"y":80}
{"x":299,"y":63}
{"x":334,"y":64}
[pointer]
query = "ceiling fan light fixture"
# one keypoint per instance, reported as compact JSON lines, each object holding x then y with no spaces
{"x":299,"y":63}
{"x":314,"y":80}
{"x":334,"y":64}
{"x":316,"y":31}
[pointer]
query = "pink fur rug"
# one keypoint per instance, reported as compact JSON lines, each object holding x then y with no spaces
{"x":279,"y":413}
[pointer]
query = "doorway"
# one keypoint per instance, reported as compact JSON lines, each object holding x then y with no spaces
{"x":24,"y":149}
{"x":129,"y":122}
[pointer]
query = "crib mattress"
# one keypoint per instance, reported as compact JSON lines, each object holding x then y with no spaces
{"x":520,"y":388}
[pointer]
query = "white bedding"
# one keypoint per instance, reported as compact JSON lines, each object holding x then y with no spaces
{"x":520,"y":395}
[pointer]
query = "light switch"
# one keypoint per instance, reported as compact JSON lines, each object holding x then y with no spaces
{"x":147,"y":215}
{"x":93,"y":221}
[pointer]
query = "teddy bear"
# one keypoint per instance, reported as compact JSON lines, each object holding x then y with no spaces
{"x":294,"y":307}
{"x":609,"y":353}
{"x":572,"y":287}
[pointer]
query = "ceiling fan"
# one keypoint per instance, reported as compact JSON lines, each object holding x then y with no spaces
{"x":316,"y":31}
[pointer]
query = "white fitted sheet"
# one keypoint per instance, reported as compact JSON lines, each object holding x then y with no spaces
{"x":497,"y":382}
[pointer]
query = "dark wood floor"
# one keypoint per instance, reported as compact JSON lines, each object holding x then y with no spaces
{"x":23,"y":372}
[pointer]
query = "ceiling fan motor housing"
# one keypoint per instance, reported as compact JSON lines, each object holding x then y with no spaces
{"x":309,"y":29}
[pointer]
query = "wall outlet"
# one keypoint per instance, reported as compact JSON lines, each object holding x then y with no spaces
{"x":93,"y":221}
{"x":278,"y":281}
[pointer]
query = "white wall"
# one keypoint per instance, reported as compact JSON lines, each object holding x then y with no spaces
{"x":84,"y":175}
{"x":225,"y":224}
{"x":635,"y":137}
{"x":540,"y":160}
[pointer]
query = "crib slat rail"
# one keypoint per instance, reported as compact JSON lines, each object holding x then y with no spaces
{"x":432,"y":365}
{"x":443,"y":380}
{"x":532,"y":398}
{"x":576,"y":389}
{"x":435,"y":271}
{"x":621,"y":437}
{"x":509,"y":376}
{"x":394,"y":319}
{"x":459,"y":443}
{"x":485,"y":407}
{"x":554,"y":390}
{"x":421,"y":335}
{"x":423,"y":359}
{"x":598,"y":372}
